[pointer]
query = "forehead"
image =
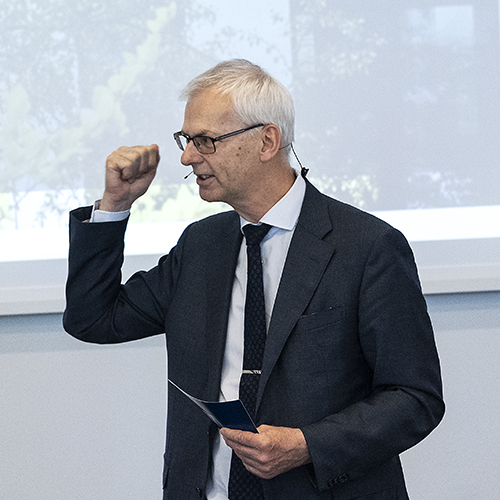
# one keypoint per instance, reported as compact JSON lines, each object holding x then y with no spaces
{"x":209,"y":112}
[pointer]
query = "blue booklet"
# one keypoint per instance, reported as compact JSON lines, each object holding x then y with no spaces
{"x":230,"y":414}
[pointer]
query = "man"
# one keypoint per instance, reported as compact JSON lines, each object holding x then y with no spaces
{"x":348,"y":376}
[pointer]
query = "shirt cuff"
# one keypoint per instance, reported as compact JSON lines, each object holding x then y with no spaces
{"x":103,"y":216}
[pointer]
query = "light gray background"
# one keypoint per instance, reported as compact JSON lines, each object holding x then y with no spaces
{"x":87,"y":422}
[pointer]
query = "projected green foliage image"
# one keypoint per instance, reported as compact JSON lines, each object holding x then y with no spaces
{"x":74,"y":76}
{"x":80,"y":78}
{"x":75,"y":79}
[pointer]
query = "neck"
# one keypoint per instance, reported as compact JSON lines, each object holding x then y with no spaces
{"x":265,"y":198}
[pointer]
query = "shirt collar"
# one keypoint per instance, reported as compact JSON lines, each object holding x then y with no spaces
{"x":285,"y":213}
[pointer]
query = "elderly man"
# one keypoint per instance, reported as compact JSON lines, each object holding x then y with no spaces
{"x":308,"y":310}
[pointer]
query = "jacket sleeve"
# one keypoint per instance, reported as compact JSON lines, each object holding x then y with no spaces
{"x":404,"y":402}
{"x":99,"y":308}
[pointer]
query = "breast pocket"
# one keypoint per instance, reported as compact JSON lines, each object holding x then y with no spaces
{"x":317,"y":321}
{"x":322,"y":352}
{"x":313,"y":344}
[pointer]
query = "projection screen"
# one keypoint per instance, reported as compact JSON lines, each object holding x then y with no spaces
{"x":397,"y":112}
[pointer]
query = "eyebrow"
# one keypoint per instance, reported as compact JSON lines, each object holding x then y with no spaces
{"x":206,"y":133}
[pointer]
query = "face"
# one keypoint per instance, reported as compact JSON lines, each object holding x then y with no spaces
{"x":230,"y":174}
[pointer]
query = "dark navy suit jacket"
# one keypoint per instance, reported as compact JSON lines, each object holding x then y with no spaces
{"x":350,"y":357}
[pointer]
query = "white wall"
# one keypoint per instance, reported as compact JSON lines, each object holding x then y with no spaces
{"x":78,"y":421}
{"x":460,"y":459}
{"x":87,"y":422}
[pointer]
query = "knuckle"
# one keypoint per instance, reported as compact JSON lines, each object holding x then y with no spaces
{"x":263,"y":458}
{"x":266,"y":472}
{"x":267,"y":446}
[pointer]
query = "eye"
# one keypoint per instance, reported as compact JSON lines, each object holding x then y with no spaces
{"x":203,"y":141}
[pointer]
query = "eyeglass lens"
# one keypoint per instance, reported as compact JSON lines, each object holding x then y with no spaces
{"x":202,"y":144}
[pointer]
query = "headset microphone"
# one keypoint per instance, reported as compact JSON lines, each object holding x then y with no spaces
{"x":188,"y":174}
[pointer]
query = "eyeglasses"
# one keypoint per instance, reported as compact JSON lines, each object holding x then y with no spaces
{"x":206,"y":145}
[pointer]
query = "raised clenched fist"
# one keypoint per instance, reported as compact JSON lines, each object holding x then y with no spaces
{"x":129,"y":173}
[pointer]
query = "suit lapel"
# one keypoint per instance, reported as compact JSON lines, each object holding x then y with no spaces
{"x":221,"y":264}
{"x":307,"y":259}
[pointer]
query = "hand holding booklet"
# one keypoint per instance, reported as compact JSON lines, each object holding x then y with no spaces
{"x":229,"y":414}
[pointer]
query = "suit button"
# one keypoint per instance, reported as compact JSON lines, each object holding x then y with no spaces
{"x":200,"y":492}
{"x":342,"y":479}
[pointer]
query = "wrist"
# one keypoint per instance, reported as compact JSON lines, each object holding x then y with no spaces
{"x":99,"y":215}
{"x":108,"y":205}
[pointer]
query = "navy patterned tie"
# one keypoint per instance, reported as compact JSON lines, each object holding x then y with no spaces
{"x":242,"y":484}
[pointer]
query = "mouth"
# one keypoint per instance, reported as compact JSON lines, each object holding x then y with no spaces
{"x":203,"y":177}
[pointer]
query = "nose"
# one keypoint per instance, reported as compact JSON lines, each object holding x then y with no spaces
{"x":190,"y":155}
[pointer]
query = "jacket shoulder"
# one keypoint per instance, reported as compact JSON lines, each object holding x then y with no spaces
{"x":213,"y":233}
{"x":325,"y":214}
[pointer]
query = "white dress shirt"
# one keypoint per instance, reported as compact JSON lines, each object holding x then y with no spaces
{"x":274,"y":248}
{"x":283,"y":217}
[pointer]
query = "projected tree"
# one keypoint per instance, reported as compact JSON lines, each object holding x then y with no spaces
{"x":80,"y":78}
{"x":72,"y":79}
{"x":412,"y":96}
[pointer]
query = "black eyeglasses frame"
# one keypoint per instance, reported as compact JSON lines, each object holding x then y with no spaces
{"x":213,"y":140}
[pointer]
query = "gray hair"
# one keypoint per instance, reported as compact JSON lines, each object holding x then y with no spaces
{"x":257,"y":96}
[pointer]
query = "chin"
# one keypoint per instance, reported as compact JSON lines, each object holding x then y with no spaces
{"x":209,"y":197}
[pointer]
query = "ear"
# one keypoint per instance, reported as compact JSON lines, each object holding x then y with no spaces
{"x":271,"y":141}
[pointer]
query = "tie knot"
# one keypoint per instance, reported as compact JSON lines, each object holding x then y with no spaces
{"x":255,"y":234}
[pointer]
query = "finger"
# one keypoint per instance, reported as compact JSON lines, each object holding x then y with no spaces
{"x":155,"y":150}
{"x":149,"y":160}
{"x":234,"y":437}
{"x":135,"y":162}
{"x":149,"y":157}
